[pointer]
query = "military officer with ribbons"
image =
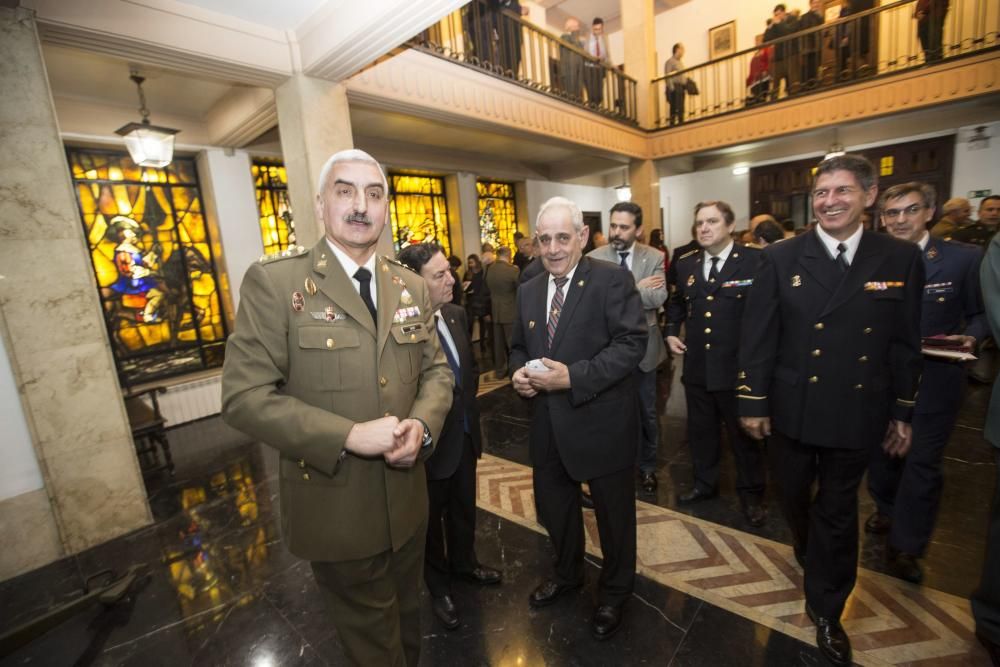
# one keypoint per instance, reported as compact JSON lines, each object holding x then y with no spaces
{"x":830,"y":363}
{"x":708,"y":300}
{"x":335,"y":362}
{"x":907,"y":491}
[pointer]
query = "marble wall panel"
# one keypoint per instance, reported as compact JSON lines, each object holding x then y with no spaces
{"x":30,"y":535}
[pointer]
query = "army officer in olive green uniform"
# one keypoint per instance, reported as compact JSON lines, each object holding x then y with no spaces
{"x":335,"y":362}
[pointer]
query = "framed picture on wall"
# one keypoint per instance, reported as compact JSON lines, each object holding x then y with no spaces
{"x":722,"y":40}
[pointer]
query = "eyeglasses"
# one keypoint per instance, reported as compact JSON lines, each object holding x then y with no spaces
{"x":909,"y":211}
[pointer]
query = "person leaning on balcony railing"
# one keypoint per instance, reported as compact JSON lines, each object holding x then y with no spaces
{"x":597,"y":46}
{"x":571,"y":62}
{"x":930,"y":27}
{"x":810,"y":45}
{"x":759,"y":79}
{"x":782,"y":25}
{"x":676,"y":85}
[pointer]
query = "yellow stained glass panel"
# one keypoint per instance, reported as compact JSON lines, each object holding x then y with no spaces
{"x":418,"y":211}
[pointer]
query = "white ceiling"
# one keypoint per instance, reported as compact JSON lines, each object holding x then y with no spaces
{"x":91,"y":76}
{"x":277,"y":14}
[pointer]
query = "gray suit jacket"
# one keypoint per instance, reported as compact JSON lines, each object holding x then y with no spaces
{"x":648,"y":261}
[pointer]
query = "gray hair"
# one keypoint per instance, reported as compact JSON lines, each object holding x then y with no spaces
{"x":349,"y":155}
{"x":575,"y":214}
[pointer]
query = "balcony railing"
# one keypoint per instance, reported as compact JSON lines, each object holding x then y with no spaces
{"x":503,"y":44}
{"x":874,"y":43}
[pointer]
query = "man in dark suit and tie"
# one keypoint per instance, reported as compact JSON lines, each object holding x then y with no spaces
{"x":829,"y":367}
{"x":451,"y":470}
{"x":580,"y":329}
{"x":907,"y":492}
{"x":502,"y":281}
{"x":708,"y":299}
{"x":334,"y":363}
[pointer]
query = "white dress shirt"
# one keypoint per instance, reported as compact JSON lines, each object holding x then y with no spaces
{"x":852,"y":242}
{"x":445,"y":335}
{"x":350,"y":267}
{"x":723,"y":256}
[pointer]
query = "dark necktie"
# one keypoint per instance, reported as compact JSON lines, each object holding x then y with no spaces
{"x":713,"y":271}
{"x":364,"y":277}
{"x":555,"y":310}
{"x":452,"y":361}
{"x":623,"y":263}
{"x":842,"y":258}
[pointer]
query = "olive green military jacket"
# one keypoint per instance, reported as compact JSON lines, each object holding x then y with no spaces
{"x":304,"y":364}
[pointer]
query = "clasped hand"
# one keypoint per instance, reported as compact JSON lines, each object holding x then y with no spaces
{"x":398,"y":442}
{"x":528,"y":383}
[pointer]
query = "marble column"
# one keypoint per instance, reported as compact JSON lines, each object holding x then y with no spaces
{"x":468,"y":198}
{"x":639,"y":32}
{"x":54,"y":331}
{"x":645,"y":184}
{"x":314,"y":122}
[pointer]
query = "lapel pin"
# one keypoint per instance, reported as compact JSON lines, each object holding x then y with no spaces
{"x":321,"y":264}
{"x":796,"y":280}
{"x":405,"y":298}
{"x":310,"y":286}
{"x":690,"y":280}
{"x":580,"y":284}
{"x":531,"y":324}
{"x":932,"y":253}
{"x":298,"y":302}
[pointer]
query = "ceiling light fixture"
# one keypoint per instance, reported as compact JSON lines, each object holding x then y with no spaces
{"x":149,"y":145}
{"x":623,"y":191}
{"x":741,"y":169}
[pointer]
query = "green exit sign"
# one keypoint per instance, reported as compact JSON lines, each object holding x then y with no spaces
{"x":976,"y":194}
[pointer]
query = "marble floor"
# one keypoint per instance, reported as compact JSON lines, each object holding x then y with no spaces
{"x":220,"y":589}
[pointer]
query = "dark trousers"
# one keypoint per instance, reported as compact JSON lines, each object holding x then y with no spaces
{"x":594,"y":80}
{"x":931,"y":34}
{"x":809,"y":75}
{"x":986,"y":600}
{"x":501,"y":346}
{"x":706,"y":409}
{"x":557,"y":501}
{"x":649,"y":433}
{"x":675,"y":98}
{"x":374,"y":603}
{"x":909,"y":489}
{"x":451,"y":528}
{"x":825,"y":525}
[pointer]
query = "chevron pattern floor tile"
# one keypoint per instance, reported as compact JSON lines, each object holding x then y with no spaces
{"x":890,"y":621}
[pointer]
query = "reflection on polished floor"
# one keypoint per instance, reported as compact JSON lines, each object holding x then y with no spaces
{"x":223,"y":590}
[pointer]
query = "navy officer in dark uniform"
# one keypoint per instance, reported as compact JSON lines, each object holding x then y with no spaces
{"x":709,"y":296}
{"x":907,"y":491}
{"x":829,"y":366}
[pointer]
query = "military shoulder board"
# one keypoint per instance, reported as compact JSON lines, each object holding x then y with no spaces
{"x":291,"y":251}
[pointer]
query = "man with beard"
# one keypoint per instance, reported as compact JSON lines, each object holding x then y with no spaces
{"x":829,"y":366}
{"x":578,"y":338}
{"x":907,"y":492}
{"x":980,"y":232}
{"x":335,"y":363}
{"x":646,"y":265}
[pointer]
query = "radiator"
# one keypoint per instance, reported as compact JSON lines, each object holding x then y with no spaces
{"x":187,"y":402}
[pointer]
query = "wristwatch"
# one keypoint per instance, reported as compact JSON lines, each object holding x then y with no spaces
{"x":428,"y":440}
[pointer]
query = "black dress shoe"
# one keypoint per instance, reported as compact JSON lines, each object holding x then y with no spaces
{"x":482,"y":575}
{"x":696,"y":495}
{"x":905,"y":567}
{"x":992,"y":648}
{"x":754,"y":512}
{"x":586,"y":501}
{"x":831,"y":639}
{"x":607,"y":621}
{"x":648,"y":482}
{"x":548,"y":592}
{"x":444,"y":609}
{"x":878,"y":524}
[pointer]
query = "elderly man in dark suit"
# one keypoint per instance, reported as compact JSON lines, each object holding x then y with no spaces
{"x":708,"y":299}
{"x":907,"y":492}
{"x":829,"y":367}
{"x":579,"y":336}
{"x":502,"y":281}
{"x":334,"y":362}
{"x":451,"y":470}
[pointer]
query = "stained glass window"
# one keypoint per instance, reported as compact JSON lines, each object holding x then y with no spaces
{"x":418,"y":211}
{"x":497,"y":213}
{"x":152,"y":255}
{"x":277,"y":228}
